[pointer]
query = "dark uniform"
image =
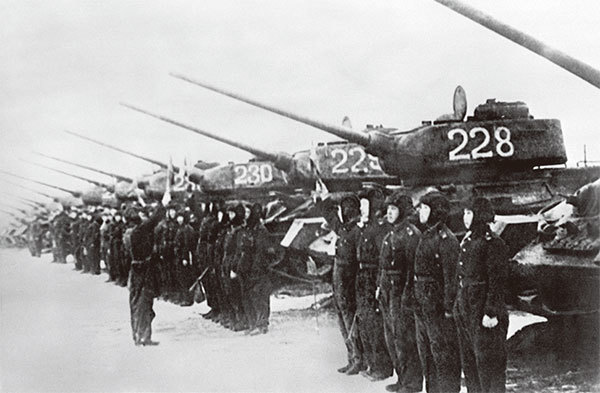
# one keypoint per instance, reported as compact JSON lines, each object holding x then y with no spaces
{"x":396,"y":266}
{"x":368,"y":316}
{"x":233,"y":288}
{"x":482,"y":273}
{"x":435,"y":288}
{"x":253,"y":267}
{"x":345,"y":268}
{"x":117,"y":257}
{"x":92,"y":245}
{"x":204,"y":252}
{"x":143,"y":279}
{"x":216,"y":253}
{"x":186,"y":273}
{"x":61,"y":236}
{"x":76,"y":244}
{"x":164,"y":235}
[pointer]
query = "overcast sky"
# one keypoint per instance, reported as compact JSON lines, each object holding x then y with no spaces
{"x":68,"y":64}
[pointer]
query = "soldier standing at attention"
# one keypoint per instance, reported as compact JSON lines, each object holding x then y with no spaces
{"x":345,"y":267}
{"x":230,"y":252}
{"x":480,"y":311}
{"x":92,"y":243}
{"x":369,"y":318}
{"x":185,"y":241}
{"x":435,"y":284}
{"x":116,"y":249}
{"x":143,"y":276}
{"x":203,"y":251}
{"x":253,"y":267}
{"x":165,"y":246}
{"x":396,"y":266}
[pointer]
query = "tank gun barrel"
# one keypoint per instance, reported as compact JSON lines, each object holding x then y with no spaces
{"x":340,"y":131}
{"x":115,"y":175}
{"x":29,"y":189}
{"x":76,"y":194}
{"x":85,"y":179}
{"x":281,"y":160}
{"x":147,"y":159}
{"x":575,"y":66}
{"x":9,"y":213}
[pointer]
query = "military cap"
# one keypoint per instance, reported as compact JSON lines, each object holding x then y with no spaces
{"x":482,"y":209}
{"x":436,"y":200}
{"x":399,"y":199}
{"x":352,"y":200}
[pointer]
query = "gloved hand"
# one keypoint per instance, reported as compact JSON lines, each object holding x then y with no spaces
{"x":488,"y":322}
{"x":232,"y":274}
{"x":185,"y":262}
{"x":447,"y":315}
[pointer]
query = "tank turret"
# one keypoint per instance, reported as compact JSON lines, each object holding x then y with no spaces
{"x":451,"y":149}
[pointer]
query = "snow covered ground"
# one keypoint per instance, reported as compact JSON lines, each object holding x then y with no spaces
{"x":69,"y":332}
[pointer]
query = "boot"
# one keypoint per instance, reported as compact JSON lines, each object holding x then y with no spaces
{"x":344,"y":369}
{"x":355,"y":369}
{"x":395,"y":387}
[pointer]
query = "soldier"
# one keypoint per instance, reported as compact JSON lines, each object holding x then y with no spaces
{"x":232,"y":284}
{"x":345,"y":267}
{"x":480,"y":311}
{"x":105,"y":229}
{"x":396,"y":298}
{"x":92,"y":243}
{"x":255,"y":254}
{"x":186,"y":264}
{"x":203,"y":251}
{"x":35,"y":237}
{"x":369,"y":319}
{"x":164,"y":236}
{"x":217,"y":256}
{"x":115,"y":241}
{"x":76,"y":244}
{"x":435,"y":288}
{"x":144,"y":276}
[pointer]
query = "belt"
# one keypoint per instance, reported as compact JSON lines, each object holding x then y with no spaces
{"x":368,"y":266}
{"x":424,"y":279}
{"x":468,"y":283}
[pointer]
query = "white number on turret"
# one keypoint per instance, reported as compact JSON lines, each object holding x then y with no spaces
{"x":354,"y":160}
{"x":252,"y":174}
{"x":503,"y":148}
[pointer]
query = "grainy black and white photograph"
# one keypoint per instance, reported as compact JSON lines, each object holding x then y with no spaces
{"x":300,"y":196}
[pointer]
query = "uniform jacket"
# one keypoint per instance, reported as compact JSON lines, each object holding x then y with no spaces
{"x":436,"y":258}
{"x":483,"y":262}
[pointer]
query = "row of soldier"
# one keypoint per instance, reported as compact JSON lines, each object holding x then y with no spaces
{"x":409,"y":297}
{"x":220,"y":252}
{"x":413,"y":299}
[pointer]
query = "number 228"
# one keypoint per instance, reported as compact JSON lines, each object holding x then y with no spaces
{"x":504,"y":146}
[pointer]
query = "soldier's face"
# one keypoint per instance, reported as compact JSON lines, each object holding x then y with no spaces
{"x":392,"y":214}
{"x":246,"y":212}
{"x":468,"y":218}
{"x":424,"y":212}
{"x":220,"y":216}
{"x":179,"y":220}
{"x":364,"y":210}
{"x":231,"y":215}
{"x":172,"y":213}
{"x":117,"y":218}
